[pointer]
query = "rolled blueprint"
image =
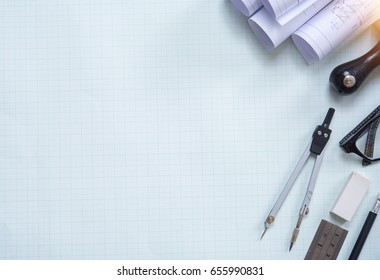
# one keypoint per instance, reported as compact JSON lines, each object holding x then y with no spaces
{"x":331,"y":26}
{"x":300,"y":8}
{"x":277,"y":8}
{"x":247,"y":7}
{"x":271,"y":33}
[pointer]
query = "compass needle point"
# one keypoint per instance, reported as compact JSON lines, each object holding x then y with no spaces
{"x":263,"y":233}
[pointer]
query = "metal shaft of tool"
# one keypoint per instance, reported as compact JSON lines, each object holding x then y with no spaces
{"x":296,"y":231}
{"x":309,"y":193}
{"x":286,"y":189}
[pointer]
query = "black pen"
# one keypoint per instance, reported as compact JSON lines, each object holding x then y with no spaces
{"x":365,"y":230}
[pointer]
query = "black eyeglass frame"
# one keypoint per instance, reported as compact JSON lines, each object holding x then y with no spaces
{"x":348,"y":143}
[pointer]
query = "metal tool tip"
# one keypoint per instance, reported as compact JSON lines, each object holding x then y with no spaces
{"x":378,"y":196}
{"x":263,"y":233}
{"x":291,"y":246}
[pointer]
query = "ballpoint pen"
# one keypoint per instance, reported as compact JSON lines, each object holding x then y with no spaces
{"x":365,"y":230}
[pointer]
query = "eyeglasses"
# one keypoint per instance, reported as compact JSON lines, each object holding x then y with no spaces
{"x":356,"y":142}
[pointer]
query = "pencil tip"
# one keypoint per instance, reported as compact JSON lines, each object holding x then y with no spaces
{"x":291,"y":246}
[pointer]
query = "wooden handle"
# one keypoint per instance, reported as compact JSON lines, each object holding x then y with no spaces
{"x":347,"y":78}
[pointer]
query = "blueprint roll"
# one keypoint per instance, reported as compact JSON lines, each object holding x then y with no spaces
{"x":335,"y":23}
{"x":247,"y":7}
{"x":277,"y":8}
{"x":271,"y":33}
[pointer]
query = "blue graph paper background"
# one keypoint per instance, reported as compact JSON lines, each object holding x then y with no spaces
{"x":164,"y":130}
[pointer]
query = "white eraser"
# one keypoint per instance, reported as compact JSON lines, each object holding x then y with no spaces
{"x":351,"y":196}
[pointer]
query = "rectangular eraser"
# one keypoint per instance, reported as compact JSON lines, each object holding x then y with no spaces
{"x":351,"y":196}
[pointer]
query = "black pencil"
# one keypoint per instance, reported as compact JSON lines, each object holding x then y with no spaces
{"x":365,"y":231}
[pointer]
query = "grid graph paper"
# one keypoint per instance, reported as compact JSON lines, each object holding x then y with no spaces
{"x":163,"y":130}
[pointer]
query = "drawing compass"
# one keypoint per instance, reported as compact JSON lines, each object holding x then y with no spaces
{"x":316,"y":147}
